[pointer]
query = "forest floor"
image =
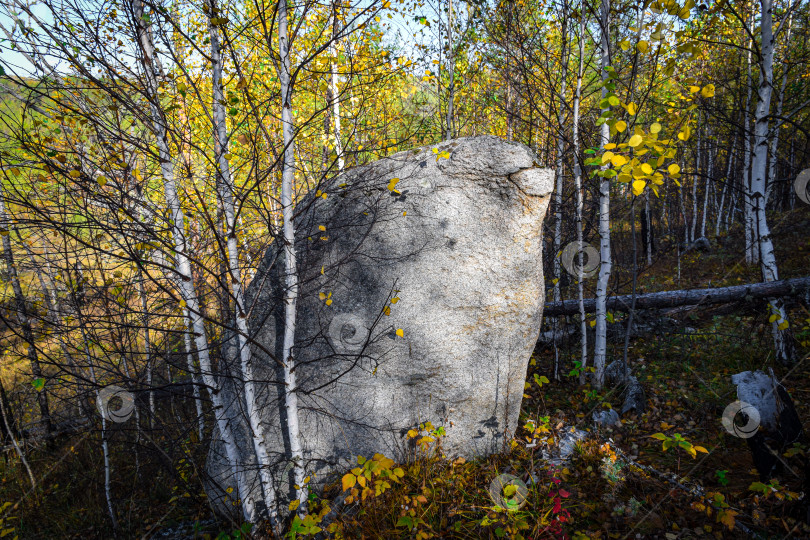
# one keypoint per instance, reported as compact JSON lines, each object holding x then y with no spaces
{"x":599,"y":493}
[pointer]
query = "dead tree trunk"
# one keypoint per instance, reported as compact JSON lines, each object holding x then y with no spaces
{"x":688,"y":297}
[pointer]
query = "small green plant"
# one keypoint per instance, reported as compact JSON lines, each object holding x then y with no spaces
{"x":426,"y":434}
{"x":411,"y":517}
{"x":309,"y":525}
{"x":773,"y":488}
{"x":678,"y":441}
{"x":372,"y":477}
{"x":715,"y":502}
{"x":721,"y":477}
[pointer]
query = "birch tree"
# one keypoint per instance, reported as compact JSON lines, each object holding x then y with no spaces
{"x":583,"y":324}
{"x":767,"y":258}
{"x":290,"y":270}
{"x":151,"y":70}
{"x":227,"y":191}
{"x":605,"y":262}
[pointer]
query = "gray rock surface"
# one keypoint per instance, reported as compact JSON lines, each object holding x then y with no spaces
{"x":567,"y":440}
{"x":452,"y":257}
{"x":609,"y":418}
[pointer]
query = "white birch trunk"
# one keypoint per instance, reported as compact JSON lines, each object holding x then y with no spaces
{"x":767,"y":258}
{"x":558,"y":174}
{"x":771,"y":179}
{"x":648,"y":217}
{"x":451,"y":61}
{"x":290,"y":271}
{"x":726,"y":182}
{"x":709,"y":173}
{"x":748,"y":209}
{"x":600,"y":341}
{"x":583,"y":325}
{"x":227,"y":194}
{"x":333,"y":53}
{"x":698,"y":148}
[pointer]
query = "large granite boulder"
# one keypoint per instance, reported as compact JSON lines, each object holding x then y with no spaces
{"x":443,"y":243}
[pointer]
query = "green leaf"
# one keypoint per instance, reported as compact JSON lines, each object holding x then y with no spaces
{"x":38,"y":384}
{"x":758,"y":486}
{"x":660,"y":437}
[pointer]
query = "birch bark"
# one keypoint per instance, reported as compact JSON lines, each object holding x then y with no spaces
{"x":227,"y":192}
{"x":767,"y":258}
{"x":605,"y":265}
{"x":583,"y":325}
{"x":290,"y":270}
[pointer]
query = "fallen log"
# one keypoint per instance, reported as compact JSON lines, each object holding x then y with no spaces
{"x":687,"y":297}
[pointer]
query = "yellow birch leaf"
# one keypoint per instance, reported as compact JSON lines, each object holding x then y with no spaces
{"x":655,"y":128}
{"x":643,"y":46}
{"x":707,"y":91}
{"x":674,"y":168}
{"x":646,"y":168}
{"x":620,"y":126}
{"x":400,"y":333}
{"x":635,"y":140}
{"x":618,"y":160}
{"x":638,"y":187}
{"x":348,"y":481}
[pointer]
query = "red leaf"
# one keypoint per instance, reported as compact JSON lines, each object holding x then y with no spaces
{"x":564,"y":494}
{"x":557,"y":506}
